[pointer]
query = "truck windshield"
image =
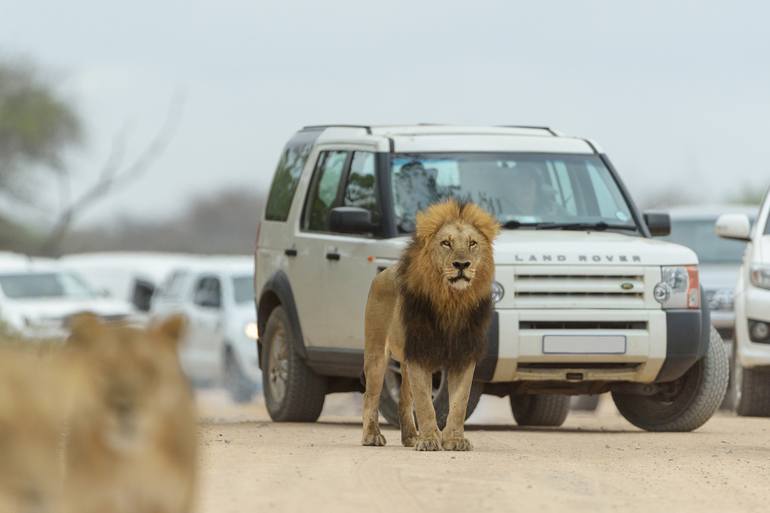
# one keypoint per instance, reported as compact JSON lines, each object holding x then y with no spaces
{"x":44,"y":286}
{"x":521,"y":189}
{"x":699,"y":235}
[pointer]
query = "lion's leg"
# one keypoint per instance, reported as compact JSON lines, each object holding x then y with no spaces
{"x":405,"y":410}
{"x":421,"y":383}
{"x":453,"y":436}
{"x":374,"y":371}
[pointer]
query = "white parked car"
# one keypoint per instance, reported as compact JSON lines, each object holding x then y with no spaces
{"x":217,"y":296}
{"x":586,"y":300}
{"x":130,"y":276}
{"x":720,"y":259}
{"x":751,"y":371}
{"x":37,"y":297}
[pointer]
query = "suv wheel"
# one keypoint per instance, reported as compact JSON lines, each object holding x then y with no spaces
{"x":545,"y":410}
{"x":391,"y":390}
{"x":240,"y":388}
{"x":751,"y":391}
{"x":689,"y":401}
{"x":293,"y":392}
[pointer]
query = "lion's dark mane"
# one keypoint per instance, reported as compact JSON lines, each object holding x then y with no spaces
{"x":434,"y":343}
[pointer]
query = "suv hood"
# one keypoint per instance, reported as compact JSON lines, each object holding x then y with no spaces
{"x":564,"y":247}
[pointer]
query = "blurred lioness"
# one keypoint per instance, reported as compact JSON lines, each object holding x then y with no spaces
{"x":33,"y":403}
{"x":431,"y":311}
{"x":131,"y":445}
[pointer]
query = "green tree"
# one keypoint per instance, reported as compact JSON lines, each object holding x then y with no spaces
{"x":36,"y":125}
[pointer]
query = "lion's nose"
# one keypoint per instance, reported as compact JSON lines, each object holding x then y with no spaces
{"x":461,"y":265}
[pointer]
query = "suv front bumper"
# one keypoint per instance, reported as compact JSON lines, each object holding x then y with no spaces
{"x":662,"y":346}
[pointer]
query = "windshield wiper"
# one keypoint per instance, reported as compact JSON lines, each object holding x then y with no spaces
{"x":514,"y":224}
{"x":600,"y":226}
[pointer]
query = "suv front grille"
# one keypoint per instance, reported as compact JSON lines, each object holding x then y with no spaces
{"x":583,"y":325}
{"x":589,"y":288}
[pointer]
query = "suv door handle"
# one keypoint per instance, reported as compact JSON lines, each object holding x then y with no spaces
{"x":290,"y":252}
{"x":332,"y":256}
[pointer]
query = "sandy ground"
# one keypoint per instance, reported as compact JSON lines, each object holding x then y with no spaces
{"x":596,"y":462}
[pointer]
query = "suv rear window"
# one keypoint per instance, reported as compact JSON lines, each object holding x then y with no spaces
{"x":285,"y":181}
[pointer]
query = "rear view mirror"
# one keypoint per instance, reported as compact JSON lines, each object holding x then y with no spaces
{"x":734,"y":226}
{"x":351,"y":220}
{"x":659,"y":224}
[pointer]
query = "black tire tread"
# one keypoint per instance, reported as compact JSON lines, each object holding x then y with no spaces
{"x":755,"y":393}
{"x":305,"y":390}
{"x":542,"y":410}
{"x":646,"y":414}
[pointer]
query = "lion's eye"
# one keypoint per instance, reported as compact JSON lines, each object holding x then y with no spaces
{"x":446,"y":243}
{"x":472,"y":244}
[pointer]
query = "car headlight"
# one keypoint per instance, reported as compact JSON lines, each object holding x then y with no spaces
{"x":497,"y":292}
{"x":679,"y":287}
{"x":251,"y":331}
{"x":760,"y":276}
{"x":721,"y":299}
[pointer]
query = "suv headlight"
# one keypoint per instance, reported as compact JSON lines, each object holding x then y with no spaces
{"x":760,"y":276}
{"x":251,"y":331}
{"x":679,"y":287}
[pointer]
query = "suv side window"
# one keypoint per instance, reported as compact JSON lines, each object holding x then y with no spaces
{"x":285,"y":181}
{"x":208,"y":292}
{"x":360,"y":190}
{"x":325,"y":189}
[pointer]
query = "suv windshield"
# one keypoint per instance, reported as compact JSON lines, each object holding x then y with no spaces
{"x":699,"y":236}
{"x":44,"y":285}
{"x":520,"y":189}
{"x":243,"y":289}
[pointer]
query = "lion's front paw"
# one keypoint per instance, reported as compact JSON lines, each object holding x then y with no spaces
{"x":428,"y":443}
{"x":457,"y":444}
{"x":373,"y":439}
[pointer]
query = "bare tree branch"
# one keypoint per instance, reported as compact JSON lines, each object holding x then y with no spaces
{"x":112,"y":175}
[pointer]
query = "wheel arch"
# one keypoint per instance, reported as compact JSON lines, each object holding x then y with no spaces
{"x":277,"y":292}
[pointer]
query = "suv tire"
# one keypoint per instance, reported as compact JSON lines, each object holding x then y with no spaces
{"x":543,"y":410}
{"x":389,"y":398}
{"x":751,"y":391}
{"x":240,"y":388}
{"x":293,"y":392}
{"x":697,"y":395}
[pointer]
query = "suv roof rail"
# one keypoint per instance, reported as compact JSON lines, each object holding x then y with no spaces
{"x":535,"y":127}
{"x":320,"y":127}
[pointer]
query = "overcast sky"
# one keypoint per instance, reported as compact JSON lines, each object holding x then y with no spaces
{"x":678,"y":93}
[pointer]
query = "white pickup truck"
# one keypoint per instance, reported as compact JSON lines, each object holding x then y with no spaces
{"x":586,"y":300}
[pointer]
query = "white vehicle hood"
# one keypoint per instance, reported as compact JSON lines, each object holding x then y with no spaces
{"x":53,"y":309}
{"x":564,"y":247}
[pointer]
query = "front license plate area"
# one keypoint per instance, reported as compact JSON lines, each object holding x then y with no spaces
{"x":584,"y":344}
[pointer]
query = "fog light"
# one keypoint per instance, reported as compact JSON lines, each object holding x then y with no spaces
{"x":760,"y":331}
{"x":661,"y":292}
{"x":497,"y":292}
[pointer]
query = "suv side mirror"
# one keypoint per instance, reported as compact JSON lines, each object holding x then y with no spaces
{"x":659,"y":224}
{"x":351,"y":220}
{"x":734,"y":226}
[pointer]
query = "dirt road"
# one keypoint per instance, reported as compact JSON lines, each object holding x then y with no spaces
{"x":594,"y":463}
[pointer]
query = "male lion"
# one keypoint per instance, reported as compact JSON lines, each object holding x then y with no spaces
{"x":431,"y":311}
{"x":131,"y":443}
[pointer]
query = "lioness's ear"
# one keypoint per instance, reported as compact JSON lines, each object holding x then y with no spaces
{"x":84,"y":328}
{"x":481,"y":220}
{"x":172,"y":327}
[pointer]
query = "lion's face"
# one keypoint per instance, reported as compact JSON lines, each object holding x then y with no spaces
{"x":135,"y":378}
{"x":457,"y":251}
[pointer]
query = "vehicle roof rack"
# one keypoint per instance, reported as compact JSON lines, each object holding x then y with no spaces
{"x":547,"y":128}
{"x":319,"y":127}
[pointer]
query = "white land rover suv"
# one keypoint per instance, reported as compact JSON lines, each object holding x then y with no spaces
{"x":751,"y":365}
{"x":586,"y":300}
